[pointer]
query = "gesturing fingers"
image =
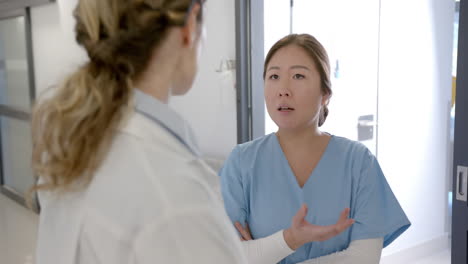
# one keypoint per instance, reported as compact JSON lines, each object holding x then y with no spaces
{"x":327,"y":232}
{"x":245,"y":232}
{"x":344,"y":222}
{"x":247,"y":228}
{"x":344,"y":214}
{"x":299,"y":218}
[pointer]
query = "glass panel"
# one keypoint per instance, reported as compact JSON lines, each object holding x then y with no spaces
{"x":353,"y":52}
{"x":16,"y":154}
{"x":14,"y":77}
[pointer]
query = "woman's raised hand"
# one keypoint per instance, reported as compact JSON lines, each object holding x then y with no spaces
{"x":302,"y":232}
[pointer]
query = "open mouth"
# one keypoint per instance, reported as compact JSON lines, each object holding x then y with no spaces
{"x":285,"y":108}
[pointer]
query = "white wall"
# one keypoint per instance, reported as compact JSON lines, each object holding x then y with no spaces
{"x":415,"y":88}
{"x":55,"y":52}
{"x":211,"y":104}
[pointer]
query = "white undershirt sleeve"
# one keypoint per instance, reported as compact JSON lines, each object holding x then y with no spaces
{"x":365,"y":251}
{"x":272,"y":249}
{"x":268,"y":250}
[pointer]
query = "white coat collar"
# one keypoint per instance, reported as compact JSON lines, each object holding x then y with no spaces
{"x":164,"y":116}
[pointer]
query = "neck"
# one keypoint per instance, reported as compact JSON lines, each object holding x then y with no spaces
{"x":157,"y":85}
{"x":157,"y":79}
{"x":300,"y":138}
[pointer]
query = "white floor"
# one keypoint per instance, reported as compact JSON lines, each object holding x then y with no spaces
{"x":18,"y":229}
{"x":441,"y":258}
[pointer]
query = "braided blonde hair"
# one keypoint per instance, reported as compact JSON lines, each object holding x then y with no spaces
{"x":72,"y":130}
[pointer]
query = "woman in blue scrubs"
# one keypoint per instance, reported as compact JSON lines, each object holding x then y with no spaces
{"x":266,"y":181}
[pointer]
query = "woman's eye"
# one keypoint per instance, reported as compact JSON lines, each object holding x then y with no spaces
{"x":274,"y":77}
{"x":298,"y":76}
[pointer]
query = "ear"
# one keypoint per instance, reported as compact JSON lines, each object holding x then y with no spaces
{"x":325,"y":99}
{"x":189,"y":31}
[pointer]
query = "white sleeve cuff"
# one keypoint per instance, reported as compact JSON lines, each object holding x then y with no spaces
{"x":267,"y":250}
{"x":365,"y":251}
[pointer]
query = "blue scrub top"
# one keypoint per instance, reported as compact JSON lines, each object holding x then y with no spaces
{"x":259,"y":187}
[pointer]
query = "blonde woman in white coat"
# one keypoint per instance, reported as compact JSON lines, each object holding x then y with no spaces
{"x":120,"y":179}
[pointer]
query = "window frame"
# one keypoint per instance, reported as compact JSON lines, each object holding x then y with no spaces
{"x":249,"y":70}
{"x":18,"y":113}
{"x":18,"y":5}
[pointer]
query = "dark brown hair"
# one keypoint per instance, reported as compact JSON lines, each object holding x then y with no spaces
{"x":317,"y":53}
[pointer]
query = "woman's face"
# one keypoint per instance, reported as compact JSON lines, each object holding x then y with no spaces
{"x":293,"y":89}
{"x":187,"y":71}
{"x":187,"y":68}
{"x":194,"y":34}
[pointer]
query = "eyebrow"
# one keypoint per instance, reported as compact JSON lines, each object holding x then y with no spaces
{"x":273,"y":68}
{"x":292,"y":67}
{"x":299,"y":67}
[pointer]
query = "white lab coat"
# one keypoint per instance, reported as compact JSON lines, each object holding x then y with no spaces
{"x":151,"y":201}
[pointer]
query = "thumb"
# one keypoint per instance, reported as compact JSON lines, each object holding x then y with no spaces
{"x":298,"y":219}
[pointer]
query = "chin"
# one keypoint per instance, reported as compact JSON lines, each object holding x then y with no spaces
{"x":285,"y":124}
{"x":287,"y":127}
{"x":180,"y":93}
{"x":181,"y":90}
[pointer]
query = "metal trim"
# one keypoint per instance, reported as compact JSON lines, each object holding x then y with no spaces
{"x":249,"y":68}
{"x":15,"y":196}
{"x":16,"y":113}
{"x":243,"y":70}
{"x":12,"y":194}
{"x":30,"y":55}
{"x":5,"y":14}
{"x":9,"y":5}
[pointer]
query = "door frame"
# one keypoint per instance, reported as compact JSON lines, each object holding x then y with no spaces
{"x":460,"y":150}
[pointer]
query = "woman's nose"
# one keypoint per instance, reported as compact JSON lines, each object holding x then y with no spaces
{"x":284,"y":92}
